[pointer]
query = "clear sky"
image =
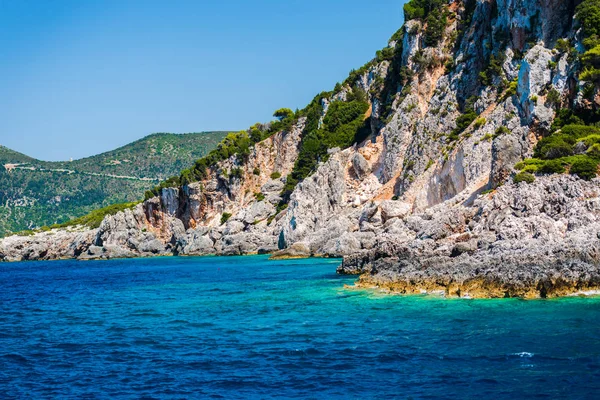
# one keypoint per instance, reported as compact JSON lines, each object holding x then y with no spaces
{"x":79,"y":77}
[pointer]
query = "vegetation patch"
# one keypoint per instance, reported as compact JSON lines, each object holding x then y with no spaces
{"x":511,"y":90}
{"x":588,"y":14}
{"x":556,"y":153}
{"x":234,"y":144}
{"x":524,"y":177}
{"x":343,"y":125}
{"x":502,"y":130}
{"x":225,"y":217}
{"x":465,"y":119}
{"x":479,"y":122}
{"x":432,"y":12}
{"x":93,"y":219}
{"x":493,"y":69}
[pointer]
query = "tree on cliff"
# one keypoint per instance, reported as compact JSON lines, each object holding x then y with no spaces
{"x":283,"y":113}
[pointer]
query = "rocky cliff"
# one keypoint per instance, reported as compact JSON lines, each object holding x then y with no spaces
{"x":423,"y":199}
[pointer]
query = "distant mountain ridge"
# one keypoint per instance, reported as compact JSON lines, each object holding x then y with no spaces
{"x":35,"y":193}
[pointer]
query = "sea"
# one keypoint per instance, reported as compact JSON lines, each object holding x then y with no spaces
{"x":250,"y":328}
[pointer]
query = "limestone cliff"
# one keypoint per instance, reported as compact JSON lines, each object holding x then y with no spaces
{"x":450,"y":113}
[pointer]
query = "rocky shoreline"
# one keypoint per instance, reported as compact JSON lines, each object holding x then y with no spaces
{"x":535,"y":240}
{"x":424,"y":199}
{"x":485,"y":278}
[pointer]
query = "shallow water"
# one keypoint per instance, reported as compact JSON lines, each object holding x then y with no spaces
{"x":245,"y":327}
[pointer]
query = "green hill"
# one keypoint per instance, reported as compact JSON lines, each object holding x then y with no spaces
{"x":35,"y":193}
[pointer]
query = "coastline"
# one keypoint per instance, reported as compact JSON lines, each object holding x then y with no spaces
{"x":538,"y":240}
{"x":478,"y":288}
{"x":549,"y":272}
{"x":481,"y":286}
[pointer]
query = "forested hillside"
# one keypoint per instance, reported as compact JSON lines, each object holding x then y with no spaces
{"x":36,"y":193}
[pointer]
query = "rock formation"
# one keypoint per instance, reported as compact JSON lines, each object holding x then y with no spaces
{"x":426,"y":203}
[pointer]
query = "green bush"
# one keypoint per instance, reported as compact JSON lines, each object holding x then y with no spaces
{"x":465,"y":119}
{"x":397,"y":36}
{"x":256,"y":134}
{"x":512,"y":89}
{"x":588,"y":90}
{"x":553,"y":96}
{"x":531,"y":161}
{"x":584,"y":168}
{"x":524,"y":177}
{"x":276,"y":175}
{"x":414,"y":10}
{"x":420,"y":9}
{"x":590,"y":75}
{"x":532,"y":169}
{"x":493,"y":69}
{"x":256,"y":171}
{"x":588,"y":13}
{"x":436,"y":24}
{"x":259,"y":196}
{"x":554,"y":146}
{"x":385,"y":54}
{"x":502,"y":130}
{"x":225,"y":217}
{"x":343,"y":125}
{"x":591,"y":58}
{"x":579,"y":131}
{"x":562,"y":45}
{"x":479,"y":122}
{"x":594,"y":151}
{"x":283,"y":113}
{"x":552,"y":167}
{"x":341,"y":113}
{"x":591,"y":140}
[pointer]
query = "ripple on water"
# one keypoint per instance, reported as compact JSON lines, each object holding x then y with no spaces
{"x":15,"y":358}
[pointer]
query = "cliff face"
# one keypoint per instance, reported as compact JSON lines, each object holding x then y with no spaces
{"x":414,"y":188}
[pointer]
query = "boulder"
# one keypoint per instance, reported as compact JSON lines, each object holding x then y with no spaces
{"x":296,"y":250}
{"x":272,"y":186}
{"x":394,"y":209}
{"x":233,"y":228}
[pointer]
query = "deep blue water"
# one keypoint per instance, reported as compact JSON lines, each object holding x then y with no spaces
{"x":245,"y":327}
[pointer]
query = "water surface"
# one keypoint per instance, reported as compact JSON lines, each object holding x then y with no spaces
{"x":245,"y":327}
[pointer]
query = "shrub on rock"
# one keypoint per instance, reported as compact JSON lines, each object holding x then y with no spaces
{"x":555,"y":146}
{"x":552,"y":167}
{"x":225,"y":217}
{"x":594,"y":151}
{"x":585,"y":168}
{"x":524,"y":177}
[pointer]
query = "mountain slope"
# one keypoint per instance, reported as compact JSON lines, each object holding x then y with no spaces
{"x":35,"y":193}
{"x":461,"y":160}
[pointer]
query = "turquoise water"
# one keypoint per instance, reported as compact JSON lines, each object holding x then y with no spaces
{"x":245,"y":327}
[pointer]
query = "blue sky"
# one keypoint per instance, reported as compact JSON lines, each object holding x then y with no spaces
{"x":81,"y":77}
